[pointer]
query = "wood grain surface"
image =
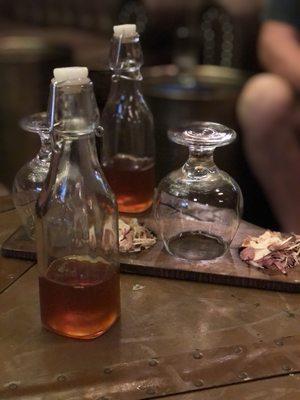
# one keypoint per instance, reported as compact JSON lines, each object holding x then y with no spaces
{"x":227,"y":270}
{"x":10,"y":269}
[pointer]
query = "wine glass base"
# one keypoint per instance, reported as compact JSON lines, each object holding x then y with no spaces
{"x":196,"y":246}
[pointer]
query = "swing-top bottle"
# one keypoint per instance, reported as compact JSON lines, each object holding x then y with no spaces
{"x":128,"y":143}
{"x":76,"y":224}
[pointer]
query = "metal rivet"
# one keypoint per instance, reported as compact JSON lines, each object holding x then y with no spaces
{"x":13,"y":386}
{"x":153,"y":362}
{"x":141,"y":387}
{"x":243,"y":375}
{"x":11,"y":276}
{"x":199,"y":383}
{"x":286,"y":368}
{"x":197,"y":355}
{"x":238,"y":349}
{"x":107,"y":370}
{"x":279,"y":342}
{"x":150,"y":390}
{"x":61,"y":378}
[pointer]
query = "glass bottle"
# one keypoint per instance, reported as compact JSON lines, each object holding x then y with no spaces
{"x":128,"y":143}
{"x":198,"y":206}
{"x":29,"y":179}
{"x":77,"y":236}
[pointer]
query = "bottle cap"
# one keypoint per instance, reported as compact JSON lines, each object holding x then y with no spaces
{"x":70,"y":73}
{"x":126,"y":30}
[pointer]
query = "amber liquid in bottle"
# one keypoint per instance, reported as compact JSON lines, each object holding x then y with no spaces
{"x":132,"y":180}
{"x":79,"y":297}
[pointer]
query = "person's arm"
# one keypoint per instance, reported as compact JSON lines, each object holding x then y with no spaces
{"x":279,"y":50}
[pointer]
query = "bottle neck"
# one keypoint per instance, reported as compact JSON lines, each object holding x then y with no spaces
{"x":126,"y":75}
{"x":74,"y":119}
{"x":126,"y":58}
{"x":200,"y":162}
{"x":73,"y":109}
{"x":78,"y":150}
{"x":125,"y":84}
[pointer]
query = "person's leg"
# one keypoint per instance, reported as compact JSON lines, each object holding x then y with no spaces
{"x":266,"y":111}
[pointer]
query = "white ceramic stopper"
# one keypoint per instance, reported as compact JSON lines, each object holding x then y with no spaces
{"x":126,"y":30}
{"x":70,"y":73}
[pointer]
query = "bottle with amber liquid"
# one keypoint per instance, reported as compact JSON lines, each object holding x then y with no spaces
{"x":76,"y":219}
{"x":128,"y":142}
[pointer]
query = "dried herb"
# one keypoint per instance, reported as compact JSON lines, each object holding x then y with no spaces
{"x":134,"y":237}
{"x":272,"y":251}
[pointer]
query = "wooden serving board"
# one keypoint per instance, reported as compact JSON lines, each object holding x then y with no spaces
{"x":228,"y":269}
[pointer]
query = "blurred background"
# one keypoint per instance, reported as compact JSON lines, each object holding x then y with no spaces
{"x":198,"y":55}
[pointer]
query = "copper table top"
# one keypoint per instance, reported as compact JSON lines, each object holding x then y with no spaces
{"x":178,"y":340}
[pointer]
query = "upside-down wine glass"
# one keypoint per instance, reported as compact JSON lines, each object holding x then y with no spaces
{"x":198,"y":206}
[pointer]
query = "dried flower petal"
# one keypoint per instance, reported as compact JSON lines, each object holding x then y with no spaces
{"x":134,"y":237}
{"x":272,"y":251}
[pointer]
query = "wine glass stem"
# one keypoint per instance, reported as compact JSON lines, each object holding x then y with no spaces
{"x":200,"y":161}
{"x":45,"y":150}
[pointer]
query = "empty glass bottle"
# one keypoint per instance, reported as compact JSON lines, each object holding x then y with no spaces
{"x":128,"y":143}
{"x":77,"y":236}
